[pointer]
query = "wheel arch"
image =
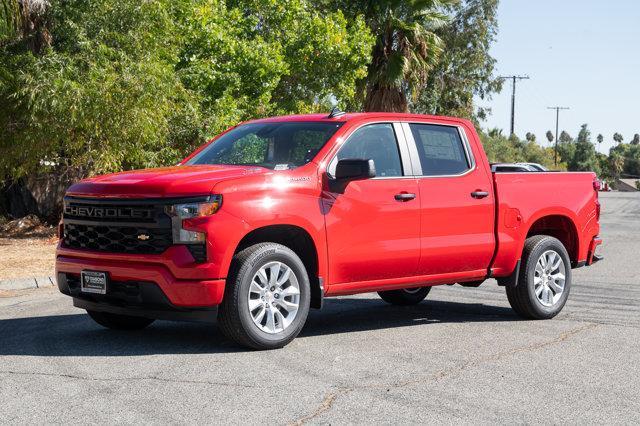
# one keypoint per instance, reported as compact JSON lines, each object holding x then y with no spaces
{"x":301,"y":242}
{"x":561,"y":227}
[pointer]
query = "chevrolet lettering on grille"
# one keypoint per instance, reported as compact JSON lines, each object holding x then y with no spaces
{"x":107,"y":212}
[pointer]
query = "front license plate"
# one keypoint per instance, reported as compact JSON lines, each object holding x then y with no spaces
{"x":93,"y":282}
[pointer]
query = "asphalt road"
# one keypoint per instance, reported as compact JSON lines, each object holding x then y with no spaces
{"x":460,"y":357}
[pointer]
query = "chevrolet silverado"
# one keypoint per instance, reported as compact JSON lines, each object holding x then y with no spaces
{"x":272,"y":216}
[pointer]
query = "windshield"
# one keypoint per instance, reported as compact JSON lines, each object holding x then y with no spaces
{"x":277,"y":146}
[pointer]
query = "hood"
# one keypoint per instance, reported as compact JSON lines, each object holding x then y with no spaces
{"x":177,"y":181}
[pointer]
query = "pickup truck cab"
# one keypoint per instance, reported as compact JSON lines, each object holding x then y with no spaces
{"x":274,"y":215}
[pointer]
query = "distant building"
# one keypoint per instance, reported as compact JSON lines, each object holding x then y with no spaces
{"x":626,"y":185}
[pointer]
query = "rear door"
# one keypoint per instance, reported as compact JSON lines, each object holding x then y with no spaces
{"x":373,"y":225}
{"x":456,"y":201}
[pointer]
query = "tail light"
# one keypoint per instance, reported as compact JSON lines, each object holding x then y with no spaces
{"x":597,"y":186}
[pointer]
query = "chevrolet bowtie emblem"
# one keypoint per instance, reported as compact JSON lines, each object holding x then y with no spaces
{"x":143,"y":237}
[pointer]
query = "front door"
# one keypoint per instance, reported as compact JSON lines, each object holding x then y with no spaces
{"x":373,"y":225}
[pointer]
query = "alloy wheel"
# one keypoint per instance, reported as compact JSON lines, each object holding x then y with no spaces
{"x":549,"y":278}
{"x":274,"y":297}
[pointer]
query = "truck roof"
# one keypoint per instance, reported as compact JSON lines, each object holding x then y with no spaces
{"x":356,"y":116}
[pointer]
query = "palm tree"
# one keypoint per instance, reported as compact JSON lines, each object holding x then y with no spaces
{"x":406,"y":49}
{"x":618,"y":137}
{"x":530,"y":137}
{"x":600,"y":139}
{"x":549,"y":135}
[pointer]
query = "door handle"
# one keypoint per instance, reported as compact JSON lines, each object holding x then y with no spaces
{"x":479,"y":194}
{"x":404,"y":196}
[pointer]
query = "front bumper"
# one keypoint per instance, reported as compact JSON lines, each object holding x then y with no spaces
{"x":183,"y":285}
{"x":133,"y":298}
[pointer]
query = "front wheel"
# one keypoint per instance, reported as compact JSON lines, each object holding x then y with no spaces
{"x":405,"y":296}
{"x":266,"y":301}
{"x":119,"y":322}
{"x":544,"y":281}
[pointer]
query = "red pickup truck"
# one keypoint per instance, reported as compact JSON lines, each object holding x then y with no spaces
{"x":274,"y":215}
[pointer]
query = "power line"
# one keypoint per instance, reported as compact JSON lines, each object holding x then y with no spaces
{"x":514,"y":79}
{"x":555,"y":154}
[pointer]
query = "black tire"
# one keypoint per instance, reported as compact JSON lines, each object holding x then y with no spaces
{"x":405,"y":297}
{"x":119,"y":322}
{"x":522,"y":297}
{"x":234,"y":316}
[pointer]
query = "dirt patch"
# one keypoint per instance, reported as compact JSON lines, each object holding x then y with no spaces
{"x":27,"y":248}
{"x":27,"y":257}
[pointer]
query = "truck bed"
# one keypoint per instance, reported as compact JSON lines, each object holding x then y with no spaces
{"x":522,"y":199}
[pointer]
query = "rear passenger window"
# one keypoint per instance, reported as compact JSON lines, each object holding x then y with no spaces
{"x":376,"y":142}
{"x":440,"y":150}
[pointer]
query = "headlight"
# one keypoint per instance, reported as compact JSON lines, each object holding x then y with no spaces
{"x":180,"y":212}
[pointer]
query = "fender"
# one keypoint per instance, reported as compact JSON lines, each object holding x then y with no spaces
{"x":512,"y":238}
{"x":273,"y":199}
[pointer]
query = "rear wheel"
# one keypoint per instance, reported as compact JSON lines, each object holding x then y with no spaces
{"x":267,"y":297}
{"x":544,"y":281}
{"x":119,"y":322}
{"x":405,"y":296}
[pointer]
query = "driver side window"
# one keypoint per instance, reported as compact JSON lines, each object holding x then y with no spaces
{"x":376,"y":142}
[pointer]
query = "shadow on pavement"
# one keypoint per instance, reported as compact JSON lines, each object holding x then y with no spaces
{"x":78,"y":335}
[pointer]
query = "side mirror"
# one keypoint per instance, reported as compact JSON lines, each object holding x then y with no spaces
{"x":350,"y":169}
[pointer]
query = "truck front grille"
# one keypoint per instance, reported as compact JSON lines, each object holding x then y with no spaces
{"x":117,"y":239}
{"x":116,"y":226}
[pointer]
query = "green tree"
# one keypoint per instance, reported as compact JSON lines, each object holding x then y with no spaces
{"x":126,"y":84}
{"x":566,"y":147}
{"x":584,"y":156}
{"x":616,"y":164}
{"x":502,"y":149}
{"x":605,"y":168}
{"x":636,"y":139}
{"x":466,"y":68}
{"x":632,"y":160}
{"x":498,"y":147}
{"x":565,"y":137}
{"x":255,"y":58}
{"x":406,"y":47}
{"x":103,"y":96}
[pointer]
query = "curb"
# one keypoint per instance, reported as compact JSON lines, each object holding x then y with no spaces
{"x":27,"y":283}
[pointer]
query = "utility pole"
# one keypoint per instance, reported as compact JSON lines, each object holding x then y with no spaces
{"x":514,"y":79}
{"x":555,"y":149}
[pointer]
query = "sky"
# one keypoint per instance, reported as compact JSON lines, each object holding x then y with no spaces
{"x":581,"y":54}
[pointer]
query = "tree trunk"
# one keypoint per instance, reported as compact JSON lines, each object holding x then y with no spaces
{"x":385,"y":99}
{"x":35,"y":24}
{"x":37,"y":194}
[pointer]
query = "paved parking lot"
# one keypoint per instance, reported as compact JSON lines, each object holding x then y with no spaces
{"x":460,"y":357}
